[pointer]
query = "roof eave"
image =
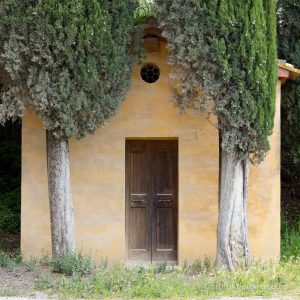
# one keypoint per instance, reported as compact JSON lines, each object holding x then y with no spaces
{"x":287,"y":71}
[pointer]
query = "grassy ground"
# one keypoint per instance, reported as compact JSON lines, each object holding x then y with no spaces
{"x":85,"y":280}
{"x":120,"y":282}
{"x":79,"y":277}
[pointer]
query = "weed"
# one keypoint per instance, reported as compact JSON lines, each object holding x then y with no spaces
{"x":72,"y":264}
{"x":290,"y":239}
{"x":32,"y":263}
{"x":198,"y":267}
{"x":6,"y":261}
{"x":45,"y":260}
{"x":207,"y":264}
{"x":160,"y":267}
{"x":18,"y":258}
{"x":46,"y":282}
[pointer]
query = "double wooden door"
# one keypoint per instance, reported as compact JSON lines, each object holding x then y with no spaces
{"x":151,"y":200}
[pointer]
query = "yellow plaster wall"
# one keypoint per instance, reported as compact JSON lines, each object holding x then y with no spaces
{"x":98,"y":178}
{"x":264,"y":197}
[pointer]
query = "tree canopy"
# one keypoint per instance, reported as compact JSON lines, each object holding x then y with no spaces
{"x":226,"y":51}
{"x":67,"y":60}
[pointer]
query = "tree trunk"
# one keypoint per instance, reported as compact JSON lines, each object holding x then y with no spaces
{"x":60,"y":198}
{"x":232,"y":243}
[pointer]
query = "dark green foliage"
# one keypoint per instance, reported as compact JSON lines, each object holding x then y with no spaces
{"x":289,"y":49}
{"x":10,"y":177}
{"x":10,"y":210}
{"x":226,"y":51}
{"x":5,"y":260}
{"x":67,"y":60}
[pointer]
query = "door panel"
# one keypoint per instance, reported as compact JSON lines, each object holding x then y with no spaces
{"x":139,"y":162}
{"x":138,"y":182}
{"x":151,"y":200}
{"x":164,"y":229}
{"x":138,"y":227}
{"x":164,"y":200}
{"x":163,"y":173}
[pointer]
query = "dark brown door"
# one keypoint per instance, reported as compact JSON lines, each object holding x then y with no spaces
{"x":151,"y":200}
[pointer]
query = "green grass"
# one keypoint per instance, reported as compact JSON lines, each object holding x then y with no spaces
{"x":290,"y":239}
{"x":8,"y":293}
{"x":79,"y":277}
{"x":190,"y":281}
{"x":72,"y":264}
{"x":15,"y":260}
{"x":119,"y":281}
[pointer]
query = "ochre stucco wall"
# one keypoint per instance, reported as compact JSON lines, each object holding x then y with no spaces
{"x":98,"y":178}
{"x":264,"y":197}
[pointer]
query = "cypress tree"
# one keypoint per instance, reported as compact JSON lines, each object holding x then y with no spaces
{"x":289,"y":49}
{"x":225,"y":51}
{"x":69,"y":62}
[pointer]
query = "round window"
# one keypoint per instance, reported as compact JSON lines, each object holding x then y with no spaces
{"x":150,"y":73}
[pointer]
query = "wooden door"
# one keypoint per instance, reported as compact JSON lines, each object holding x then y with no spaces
{"x":164,"y":200}
{"x":151,"y":200}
